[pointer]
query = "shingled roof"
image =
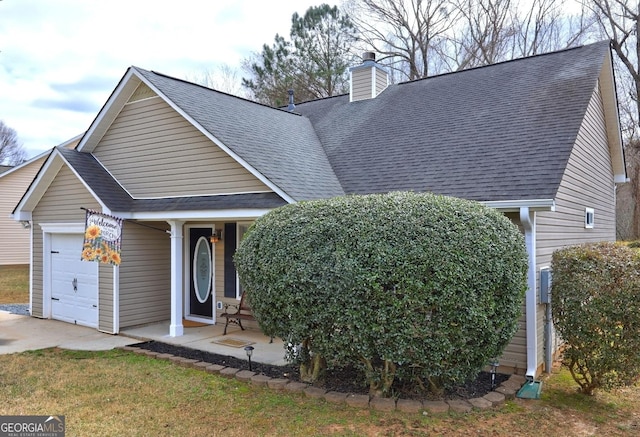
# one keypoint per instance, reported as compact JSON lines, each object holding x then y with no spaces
{"x":496,"y":133}
{"x":117,"y":199}
{"x":280,"y":145}
{"x":499,"y":133}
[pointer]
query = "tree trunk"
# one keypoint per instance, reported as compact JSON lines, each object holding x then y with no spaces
{"x":312,"y":369}
{"x":381,"y":379}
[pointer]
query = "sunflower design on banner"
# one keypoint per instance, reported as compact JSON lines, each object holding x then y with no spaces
{"x":102,"y":238}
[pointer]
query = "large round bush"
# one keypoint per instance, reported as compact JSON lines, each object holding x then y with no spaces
{"x":408,"y":286}
{"x":596,"y":310}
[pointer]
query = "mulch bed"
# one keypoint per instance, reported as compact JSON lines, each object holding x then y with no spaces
{"x":344,"y":380}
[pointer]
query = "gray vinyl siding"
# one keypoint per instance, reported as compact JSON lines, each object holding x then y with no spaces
{"x":15,"y":239}
{"x":218,"y":252}
{"x":367,"y":82}
{"x":37,"y":280}
{"x":105,"y":299}
{"x":515,"y":354}
{"x":381,"y":81}
{"x":154,"y":152}
{"x":145,"y":274}
{"x":587,"y":182}
{"x":361,"y":84}
{"x":61,"y":203}
{"x":141,"y":93}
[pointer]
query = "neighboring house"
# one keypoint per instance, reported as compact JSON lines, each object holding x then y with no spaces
{"x":536,"y":138}
{"x":15,"y":247}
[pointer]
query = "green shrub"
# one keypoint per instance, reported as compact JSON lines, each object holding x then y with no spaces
{"x":633,"y":244}
{"x":596,"y":310}
{"x":414,"y":287}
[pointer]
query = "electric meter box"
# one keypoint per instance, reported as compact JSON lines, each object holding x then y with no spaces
{"x":545,"y":285}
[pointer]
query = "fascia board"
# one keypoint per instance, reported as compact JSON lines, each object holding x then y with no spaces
{"x":227,"y":214}
{"x":104,"y":207}
{"x":219,"y":143}
{"x":612,"y":119}
{"x":109,"y":111}
{"x":515,"y":205}
{"x":42,"y":182}
{"x":38,"y":187}
{"x":24,"y":164}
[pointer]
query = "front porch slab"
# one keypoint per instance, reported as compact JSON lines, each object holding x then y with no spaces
{"x":207,"y":338}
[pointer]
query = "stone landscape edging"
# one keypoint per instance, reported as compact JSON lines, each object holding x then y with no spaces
{"x":505,"y":391}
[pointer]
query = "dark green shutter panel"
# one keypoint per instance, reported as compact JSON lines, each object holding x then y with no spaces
{"x":229,"y":267}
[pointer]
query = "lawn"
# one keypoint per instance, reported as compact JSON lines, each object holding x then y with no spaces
{"x":123,"y":393}
{"x":14,"y":284}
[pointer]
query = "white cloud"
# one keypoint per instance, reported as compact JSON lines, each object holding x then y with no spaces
{"x":60,"y":61}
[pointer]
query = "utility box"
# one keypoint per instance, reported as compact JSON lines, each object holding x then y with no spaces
{"x":545,"y":285}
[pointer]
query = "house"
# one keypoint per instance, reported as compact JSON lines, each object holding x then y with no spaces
{"x":14,"y":181}
{"x":189,"y":168}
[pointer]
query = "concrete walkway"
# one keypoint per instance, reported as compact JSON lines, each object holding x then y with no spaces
{"x":20,"y":333}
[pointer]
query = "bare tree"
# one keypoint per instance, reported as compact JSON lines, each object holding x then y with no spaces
{"x":405,"y":32}
{"x":11,"y":152}
{"x":483,"y":36}
{"x":620,"y":22}
{"x":426,"y":37}
{"x":546,"y":26}
{"x":222,"y":78}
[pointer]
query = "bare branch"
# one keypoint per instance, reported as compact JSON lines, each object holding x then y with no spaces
{"x":11,"y":152}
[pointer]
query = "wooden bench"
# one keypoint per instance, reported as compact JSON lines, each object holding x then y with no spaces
{"x":242,"y":312}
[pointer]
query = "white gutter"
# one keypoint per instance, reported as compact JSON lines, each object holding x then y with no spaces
{"x":517,"y":205}
{"x":528,"y":221}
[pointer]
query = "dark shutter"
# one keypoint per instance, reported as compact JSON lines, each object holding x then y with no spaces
{"x":229,"y":267}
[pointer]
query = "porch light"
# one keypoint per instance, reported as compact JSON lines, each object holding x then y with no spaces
{"x":249,"y":351}
{"x":494,"y":367}
{"x":217,"y":236}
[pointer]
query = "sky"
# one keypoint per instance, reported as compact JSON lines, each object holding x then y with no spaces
{"x":60,"y":60}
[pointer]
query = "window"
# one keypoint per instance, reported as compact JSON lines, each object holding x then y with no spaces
{"x":589,"y":218}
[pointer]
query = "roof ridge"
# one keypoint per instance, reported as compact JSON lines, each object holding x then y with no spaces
{"x":166,"y":76}
{"x":321,"y":98}
{"x":537,"y":55}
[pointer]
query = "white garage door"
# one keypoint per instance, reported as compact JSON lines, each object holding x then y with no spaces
{"x":74,"y":283}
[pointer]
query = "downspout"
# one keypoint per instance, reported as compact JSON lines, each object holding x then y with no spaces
{"x":548,"y":338}
{"x":528,"y":221}
{"x":545,"y":298}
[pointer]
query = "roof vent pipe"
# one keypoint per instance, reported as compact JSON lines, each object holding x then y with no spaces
{"x":291,"y":106}
{"x":368,"y":56}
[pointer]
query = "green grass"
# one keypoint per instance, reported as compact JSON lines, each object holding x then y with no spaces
{"x":122,"y":393}
{"x":14,"y":284}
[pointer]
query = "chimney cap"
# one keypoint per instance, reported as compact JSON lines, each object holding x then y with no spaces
{"x":368,"y":56}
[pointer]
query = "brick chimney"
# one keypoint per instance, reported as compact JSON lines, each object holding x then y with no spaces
{"x":367,"y":79}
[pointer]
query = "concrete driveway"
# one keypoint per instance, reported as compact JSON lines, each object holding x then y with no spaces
{"x":20,"y":333}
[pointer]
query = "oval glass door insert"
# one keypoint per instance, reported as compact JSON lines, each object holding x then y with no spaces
{"x":202,"y":269}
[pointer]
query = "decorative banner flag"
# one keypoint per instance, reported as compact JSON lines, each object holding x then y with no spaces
{"x":102,"y":238}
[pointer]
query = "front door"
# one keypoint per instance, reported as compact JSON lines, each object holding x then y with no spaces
{"x":201,"y":271}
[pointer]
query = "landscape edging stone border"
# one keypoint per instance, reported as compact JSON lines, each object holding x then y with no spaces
{"x":493,"y":399}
